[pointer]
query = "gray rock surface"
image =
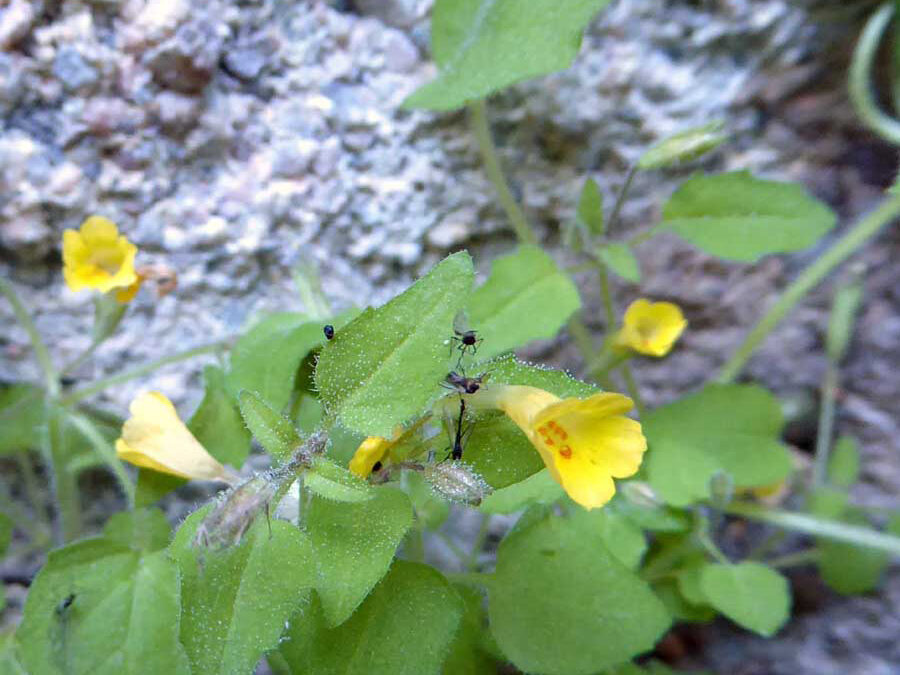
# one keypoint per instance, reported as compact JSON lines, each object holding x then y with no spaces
{"x":233,"y":141}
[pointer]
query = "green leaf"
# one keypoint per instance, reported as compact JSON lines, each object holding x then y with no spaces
{"x":467,"y":655}
{"x":623,"y":538}
{"x":6,"y":532}
{"x":482,"y":46}
{"x":739,"y":217}
{"x":266,"y":358}
{"x":10,"y":658}
{"x":749,"y":593}
{"x":677,"y":605}
{"x":828,"y":502}
{"x":620,"y":259}
{"x":22,"y":417}
{"x":153,"y":486}
{"x":843,"y":465}
{"x":557,"y":588}
{"x":430,"y":509}
{"x":236,"y":601}
{"x":730,"y":428}
{"x":653,"y":518}
{"x":539,"y":488}
{"x":144,"y":530}
{"x":526,"y":297}
{"x":508,"y":370}
{"x":100,"y":606}
{"x":590,"y":207}
{"x":403,"y":628}
{"x":217,"y":422}
{"x":683,"y":147}
{"x":354,"y":545}
{"x":850,"y":569}
{"x":274,"y":431}
{"x":384,"y":366}
{"x":330,"y":481}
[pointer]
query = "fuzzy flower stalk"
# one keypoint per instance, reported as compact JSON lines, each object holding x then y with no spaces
{"x":585,"y":443}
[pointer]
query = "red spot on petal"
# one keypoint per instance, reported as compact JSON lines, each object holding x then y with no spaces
{"x":565,"y":452}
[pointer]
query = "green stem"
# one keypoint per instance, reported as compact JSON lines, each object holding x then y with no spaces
{"x":33,"y":493}
{"x":478,"y":543}
{"x":37,"y":344}
{"x":609,"y":309}
{"x":843,"y":248}
{"x":861,"y":67}
{"x":478,"y":117}
{"x":826,"y":424}
{"x":65,"y":483}
{"x":633,"y":391}
{"x":582,"y":337}
{"x":641,"y":237}
{"x":810,"y":555}
{"x":105,"y":451}
{"x":81,"y":358}
{"x":620,"y":200}
{"x":819,"y":527}
{"x":139,"y":371}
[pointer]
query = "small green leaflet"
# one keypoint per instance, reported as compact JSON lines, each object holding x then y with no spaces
{"x":750,"y":594}
{"x":274,"y":431}
{"x":526,"y":297}
{"x":620,"y":259}
{"x":482,"y":46}
{"x":384,"y":366}
{"x":403,"y":628}
{"x":731,"y":428}
{"x":590,"y":207}
{"x":738,"y":217}
{"x":557,"y":572}
{"x":217,"y":422}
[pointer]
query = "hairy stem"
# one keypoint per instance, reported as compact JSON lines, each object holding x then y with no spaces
{"x":478,"y":117}
{"x":41,"y":354}
{"x":842,"y":249}
{"x":861,"y":68}
{"x":819,"y":527}
{"x":139,"y":371}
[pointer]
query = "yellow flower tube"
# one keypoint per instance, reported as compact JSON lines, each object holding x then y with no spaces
{"x":154,"y":437}
{"x":651,"y":328}
{"x":584,"y":443}
{"x":372,"y":451}
{"x":97,"y":256}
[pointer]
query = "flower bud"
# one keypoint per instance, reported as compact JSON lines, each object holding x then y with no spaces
{"x":640,"y":494}
{"x":457,"y":482}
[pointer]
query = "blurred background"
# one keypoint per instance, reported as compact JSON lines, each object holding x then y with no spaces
{"x":234,"y":141}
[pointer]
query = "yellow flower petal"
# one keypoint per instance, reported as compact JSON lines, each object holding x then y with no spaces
{"x":155,"y":438}
{"x":584,"y":443}
{"x":373,"y":450}
{"x":96,"y":256}
{"x":126,"y":295}
{"x":368,"y":454}
{"x":651,"y":327}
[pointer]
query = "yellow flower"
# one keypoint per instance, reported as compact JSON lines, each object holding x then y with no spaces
{"x":651,"y":327}
{"x":372,"y":451}
{"x":155,"y":438}
{"x":126,"y":295}
{"x":97,"y":256}
{"x":585,"y":443}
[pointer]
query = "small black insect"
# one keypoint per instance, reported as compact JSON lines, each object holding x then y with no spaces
{"x":457,"y":451}
{"x":64,"y":604}
{"x":329,"y":331}
{"x":466,"y":338}
{"x":463,"y":384}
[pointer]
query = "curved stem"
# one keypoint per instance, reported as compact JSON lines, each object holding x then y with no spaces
{"x":827,"y":409}
{"x":37,"y":344}
{"x":859,"y":86}
{"x":128,"y":375}
{"x":633,"y":391}
{"x":819,"y":527}
{"x":105,"y":451}
{"x":620,"y":200}
{"x":478,"y":116}
{"x":842,"y":249}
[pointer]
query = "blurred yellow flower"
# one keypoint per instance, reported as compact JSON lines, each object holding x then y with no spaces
{"x":585,"y":443}
{"x":372,"y":451}
{"x":126,"y":295}
{"x":97,"y":256}
{"x":155,"y":438}
{"x":651,"y":327}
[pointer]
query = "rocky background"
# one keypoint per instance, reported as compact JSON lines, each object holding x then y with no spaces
{"x":235,"y":140}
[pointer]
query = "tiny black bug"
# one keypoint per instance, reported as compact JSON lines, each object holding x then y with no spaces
{"x":468,"y":339}
{"x":64,"y":604}
{"x":463,"y":384}
{"x":329,"y":331}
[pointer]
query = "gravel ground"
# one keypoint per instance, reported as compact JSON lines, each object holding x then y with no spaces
{"x":234,"y":141}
